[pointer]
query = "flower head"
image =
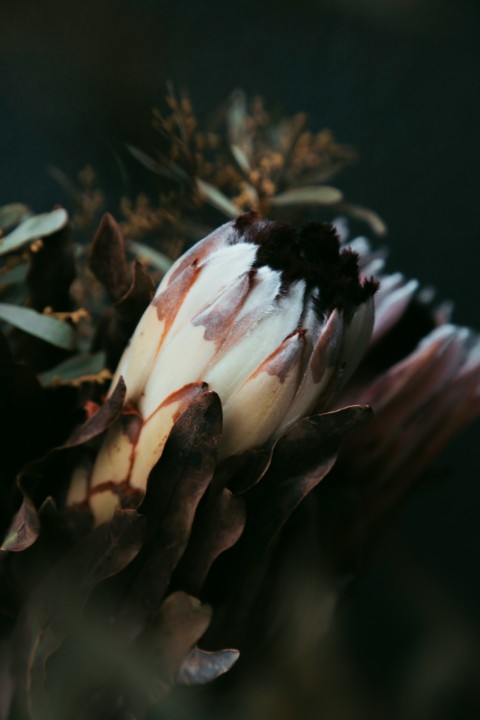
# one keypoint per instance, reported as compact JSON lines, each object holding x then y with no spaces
{"x":272,"y":319}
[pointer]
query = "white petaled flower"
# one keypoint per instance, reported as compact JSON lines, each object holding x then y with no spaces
{"x":272,"y":319}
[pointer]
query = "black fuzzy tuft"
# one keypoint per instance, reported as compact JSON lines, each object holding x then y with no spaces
{"x":312,"y":254}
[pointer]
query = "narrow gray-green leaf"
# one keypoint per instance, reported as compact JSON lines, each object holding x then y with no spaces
{"x":13,"y":214}
{"x":14,"y":275}
{"x":322,"y":195}
{"x":237,"y":114}
{"x":212,"y":195}
{"x":37,"y":226}
{"x":358,"y":212}
{"x":74,"y":368}
{"x":165,"y":167}
{"x":54,"y":331}
{"x":152,"y":257}
{"x":241,"y":159}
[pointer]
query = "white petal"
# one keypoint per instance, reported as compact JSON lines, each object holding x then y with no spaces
{"x":390,"y":307}
{"x":255,"y":409}
{"x":139,"y":355}
{"x":324,"y":360}
{"x":236,"y":361}
{"x":156,"y":430}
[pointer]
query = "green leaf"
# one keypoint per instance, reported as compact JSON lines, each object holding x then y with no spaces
{"x":37,"y":226}
{"x":166,"y":167}
{"x":14,"y":275}
{"x":322,"y":195}
{"x":211,"y":195}
{"x":54,"y":331}
{"x":13,"y":214}
{"x":358,"y":212}
{"x":152,"y":257}
{"x":241,"y":159}
{"x":75,"y":368}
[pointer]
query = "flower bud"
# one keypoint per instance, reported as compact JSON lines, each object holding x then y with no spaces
{"x":272,"y":319}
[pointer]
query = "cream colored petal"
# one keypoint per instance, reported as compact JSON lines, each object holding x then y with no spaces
{"x":357,"y":337}
{"x":114,"y":458}
{"x":390,"y":305}
{"x":237,"y":360}
{"x":103,"y":506}
{"x":215,"y":273}
{"x":181,"y":361}
{"x":222,"y":236}
{"x":321,"y":371}
{"x":255,"y":409}
{"x":156,"y":430}
{"x":137,"y":360}
{"x":78,"y":490}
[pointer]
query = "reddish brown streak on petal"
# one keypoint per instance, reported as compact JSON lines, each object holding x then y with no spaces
{"x":327,"y":347}
{"x":219,"y":318}
{"x":187,"y":392}
{"x":170,"y":300}
{"x":222,"y":236}
{"x":131,"y":424}
{"x":285,"y":357}
{"x":129,"y":497}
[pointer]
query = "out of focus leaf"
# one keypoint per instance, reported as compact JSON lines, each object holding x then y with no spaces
{"x":13,"y":214}
{"x":15,"y":275}
{"x":166,"y":168}
{"x":153,"y":257}
{"x":55,"y":607}
{"x":54,"y":331}
{"x":358,"y":212}
{"x":37,"y":226}
{"x":201,"y":667}
{"x":211,"y":195}
{"x":322,"y":195}
{"x":180,"y":623}
{"x":236,"y":115}
{"x":74,"y":369}
{"x":241,"y":159}
{"x":23,"y":530}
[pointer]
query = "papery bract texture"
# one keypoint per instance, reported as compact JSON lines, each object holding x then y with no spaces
{"x":272,"y":319}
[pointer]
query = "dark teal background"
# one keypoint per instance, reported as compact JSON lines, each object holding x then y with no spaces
{"x":399,"y":80}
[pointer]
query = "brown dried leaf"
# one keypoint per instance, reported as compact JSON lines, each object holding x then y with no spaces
{"x":301,"y":459}
{"x":219,"y":525}
{"x":24,"y":529}
{"x":175,"y":488}
{"x":98,"y":423}
{"x":56,"y":606}
{"x":120,"y":321}
{"x":180,"y":623}
{"x":107,"y":258}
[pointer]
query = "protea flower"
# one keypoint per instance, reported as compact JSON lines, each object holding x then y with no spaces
{"x":273,"y":322}
{"x":272,"y":319}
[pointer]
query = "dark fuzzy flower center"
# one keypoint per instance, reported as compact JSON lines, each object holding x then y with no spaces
{"x":312,"y":254}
